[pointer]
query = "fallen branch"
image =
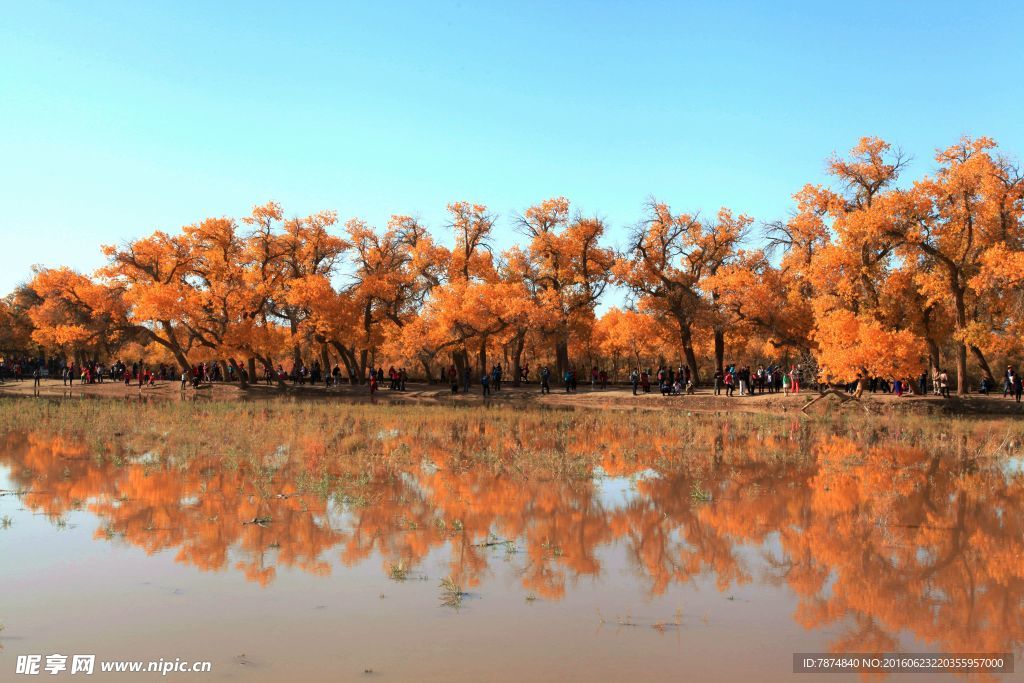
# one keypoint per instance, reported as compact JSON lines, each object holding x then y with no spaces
{"x":843,"y":397}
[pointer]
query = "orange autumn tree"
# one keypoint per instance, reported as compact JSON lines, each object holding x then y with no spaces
{"x":766,"y":300}
{"x":474,"y":305}
{"x":668,"y":265}
{"x":953,"y":221}
{"x":869,"y":275}
{"x":393,"y":274}
{"x":76,"y":315}
{"x":306,"y":256}
{"x":150,"y":277}
{"x":629,"y":334}
{"x":227,"y":315}
{"x":566,"y":267}
{"x":15,"y":324}
{"x":853,"y":332}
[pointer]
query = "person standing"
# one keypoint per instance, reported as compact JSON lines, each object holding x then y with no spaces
{"x":485,"y":384}
{"x":37,"y":376}
{"x":718,"y":382}
{"x":634,"y":379}
{"x":1018,"y":387}
{"x":943,"y":384}
{"x":545,"y":380}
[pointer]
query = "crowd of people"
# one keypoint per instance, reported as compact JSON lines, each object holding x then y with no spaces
{"x":732,"y":380}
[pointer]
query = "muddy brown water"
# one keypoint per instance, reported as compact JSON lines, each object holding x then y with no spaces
{"x":600,"y":554}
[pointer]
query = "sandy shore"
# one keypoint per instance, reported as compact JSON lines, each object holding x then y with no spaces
{"x":616,"y":397}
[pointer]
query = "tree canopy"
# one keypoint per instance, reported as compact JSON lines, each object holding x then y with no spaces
{"x":872,"y":274}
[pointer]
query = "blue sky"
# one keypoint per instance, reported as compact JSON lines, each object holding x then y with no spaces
{"x":119,"y":119}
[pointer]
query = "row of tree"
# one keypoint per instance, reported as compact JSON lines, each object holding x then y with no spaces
{"x":869,"y":274}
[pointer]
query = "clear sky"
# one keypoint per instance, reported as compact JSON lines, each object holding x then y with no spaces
{"x":119,"y":119}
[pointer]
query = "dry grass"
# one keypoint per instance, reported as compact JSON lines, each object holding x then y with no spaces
{"x":451,"y":593}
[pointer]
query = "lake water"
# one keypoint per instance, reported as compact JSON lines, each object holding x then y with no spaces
{"x":616,"y":547}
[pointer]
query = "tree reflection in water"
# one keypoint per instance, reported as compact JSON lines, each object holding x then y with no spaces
{"x":879,"y":528}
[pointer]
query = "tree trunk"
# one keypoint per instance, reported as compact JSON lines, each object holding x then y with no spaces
{"x":980,"y":357}
{"x":296,"y":345}
{"x":251,"y":366}
{"x":961,"y":326}
{"x":691,"y":359}
{"x":425,"y":362}
{"x":961,"y":369}
{"x":325,"y":361}
{"x":269,"y":367}
{"x":562,"y":355}
{"x":172,"y":345}
{"x":362,"y":365}
{"x":243,"y":383}
{"x":934,"y":359}
{"x":720,"y":350}
{"x":461,"y":360}
{"x":482,"y":356}
{"x":517,"y":357}
{"x":349,"y":359}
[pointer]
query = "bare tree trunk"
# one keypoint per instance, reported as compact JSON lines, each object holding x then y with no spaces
{"x":461,"y":360}
{"x":243,"y":383}
{"x":691,"y":358}
{"x":325,"y":361}
{"x":173,"y":347}
{"x":720,"y":350}
{"x":269,"y":367}
{"x":517,"y":357}
{"x":362,"y":365}
{"x":980,"y":357}
{"x":562,"y":355}
{"x":961,"y":326}
{"x":296,"y":345}
{"x":961,"y":369}
{"x":349,"y":359}
{"x":425,"y":362}
{"x":934,"y":359}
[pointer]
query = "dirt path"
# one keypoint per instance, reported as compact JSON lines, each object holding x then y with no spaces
{"x":618,"y":397}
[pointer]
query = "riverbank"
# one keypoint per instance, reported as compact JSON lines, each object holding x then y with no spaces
{"x":614,"y":398}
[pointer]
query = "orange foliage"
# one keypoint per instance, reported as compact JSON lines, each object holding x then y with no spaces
{"x":867,"y":276}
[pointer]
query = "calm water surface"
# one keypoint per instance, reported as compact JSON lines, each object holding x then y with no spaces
{"x":587,"y":549}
